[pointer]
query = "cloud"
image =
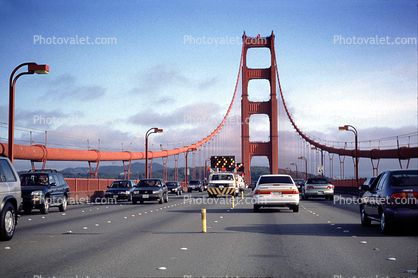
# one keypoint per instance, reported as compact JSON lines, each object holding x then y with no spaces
{"x":65,"y":87}
{"x":190,"y":115}
{"x":157,"y":78}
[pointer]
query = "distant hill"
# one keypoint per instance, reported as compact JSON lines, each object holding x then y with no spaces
{"x":137,"y":171}
{"x":109,"y":171}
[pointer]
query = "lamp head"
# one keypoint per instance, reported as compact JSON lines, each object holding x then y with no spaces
{"x":39,"y":69}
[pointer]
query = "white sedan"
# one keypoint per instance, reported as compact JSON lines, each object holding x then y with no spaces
{"x":276,"y":190}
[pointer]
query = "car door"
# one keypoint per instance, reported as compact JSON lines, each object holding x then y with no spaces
{"x":376,"y":196}
{"x":54,"y":193}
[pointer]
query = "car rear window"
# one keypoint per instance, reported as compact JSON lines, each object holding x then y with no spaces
{"x":318,"y":181}
{"x":404,"y":179}
{"x":273,"y":179}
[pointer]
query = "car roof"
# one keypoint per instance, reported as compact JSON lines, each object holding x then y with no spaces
{"x":275,"y":175}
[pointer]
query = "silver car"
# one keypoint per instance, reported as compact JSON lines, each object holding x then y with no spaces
{"x":10,"y":198}
{"x":318,"y":187}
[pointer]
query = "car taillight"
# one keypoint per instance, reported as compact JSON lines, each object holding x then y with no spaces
{"x":294,"y":191}
{"x":310,"y":187}
{"x":330,"y":186}
{"x":404,"y":195}
{"x":261,"y":192}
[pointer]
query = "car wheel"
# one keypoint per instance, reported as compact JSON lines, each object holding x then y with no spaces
{"x":296,"y":208}
{"x":161,"y":200}
{"x":305,"y":197}
{"x":384,"y":225}
{"x":256,"y":208}
{"x":130,"y":198}
{"x":8,"y":223}
{"x":365,"y":221}
{"x":45,"y":206}
{"x":63,"y":206}
{"x":166,"y":198}
{"x":331,"y":198}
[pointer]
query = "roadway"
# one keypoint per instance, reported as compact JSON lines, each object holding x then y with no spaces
{"x":324,"y":239}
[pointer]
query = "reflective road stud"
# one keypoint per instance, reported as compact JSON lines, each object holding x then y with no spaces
{"x":203,"y":213}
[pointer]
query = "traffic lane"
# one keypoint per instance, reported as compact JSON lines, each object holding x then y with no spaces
{"x":375,"y":253}
{"x":49,"y":250}
{"x":307,"y":243}
{"x":227,"y":249}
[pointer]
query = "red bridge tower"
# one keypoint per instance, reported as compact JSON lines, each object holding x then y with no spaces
{"x":248,"y":108}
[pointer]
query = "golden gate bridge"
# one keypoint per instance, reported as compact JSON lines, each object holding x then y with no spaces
{"x":304,"y":146}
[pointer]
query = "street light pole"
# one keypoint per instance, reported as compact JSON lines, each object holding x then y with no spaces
{"x":186,"y":169}
{"x":148,"y":133}
{"x":294,"y":164}
{"x":354,"y":130}
{"x":306,"y":166}
{"x":32,"y":68}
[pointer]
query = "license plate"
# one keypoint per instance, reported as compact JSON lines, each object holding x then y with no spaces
{"x":320,"y":192}
{"x":276,"y":193}
{"x":145,"y":196}
{"x":115,"y":196}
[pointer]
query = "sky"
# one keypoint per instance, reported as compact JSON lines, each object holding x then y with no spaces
{"x":118,"y":68}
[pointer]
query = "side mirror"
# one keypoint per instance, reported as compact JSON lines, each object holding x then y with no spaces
{"x":53,"y":184}
{"x":108,"y":186}
{"x":365,"y":187}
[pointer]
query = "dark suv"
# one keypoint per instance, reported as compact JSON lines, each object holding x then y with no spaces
{"x":41,"y":190}
{"x":10,"y":195}
{"x":150,"y":190}
{"x":195,"y":185}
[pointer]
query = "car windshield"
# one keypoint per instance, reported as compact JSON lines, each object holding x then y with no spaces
{"x":222,"y":177}
{"x":149,"y":183}
{"x":29,"y":180}
{"x":120,"y":184}
{"x":275,"y":179}
{"x":194,"y":182}
{"x":318,"y":181}
{"x":404,"y":178}
{"x":171,"y":183}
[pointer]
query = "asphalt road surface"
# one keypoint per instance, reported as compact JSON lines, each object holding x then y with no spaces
{"x":324,"y":239}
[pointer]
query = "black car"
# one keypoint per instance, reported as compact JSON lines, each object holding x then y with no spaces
{"x":299,"y":183}
{"x":195,"y":185}
{"x":150,"y":190}
{"x":391,"y":199}
{"x":42,"y":190}
{"x":367,"y":182}
{"x":174,"y":187}
{"x":120,"y":190}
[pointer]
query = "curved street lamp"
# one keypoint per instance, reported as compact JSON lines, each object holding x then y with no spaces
{"x":32,"y":68}
{"x":148,"y":133}
{"x":306,"y":166}
{"x":354,"y":130}
{"x":294,"y":164}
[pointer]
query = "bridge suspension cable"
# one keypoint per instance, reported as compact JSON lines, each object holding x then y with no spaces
{"x":401,"y":152}
{"x":41,"y":153}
